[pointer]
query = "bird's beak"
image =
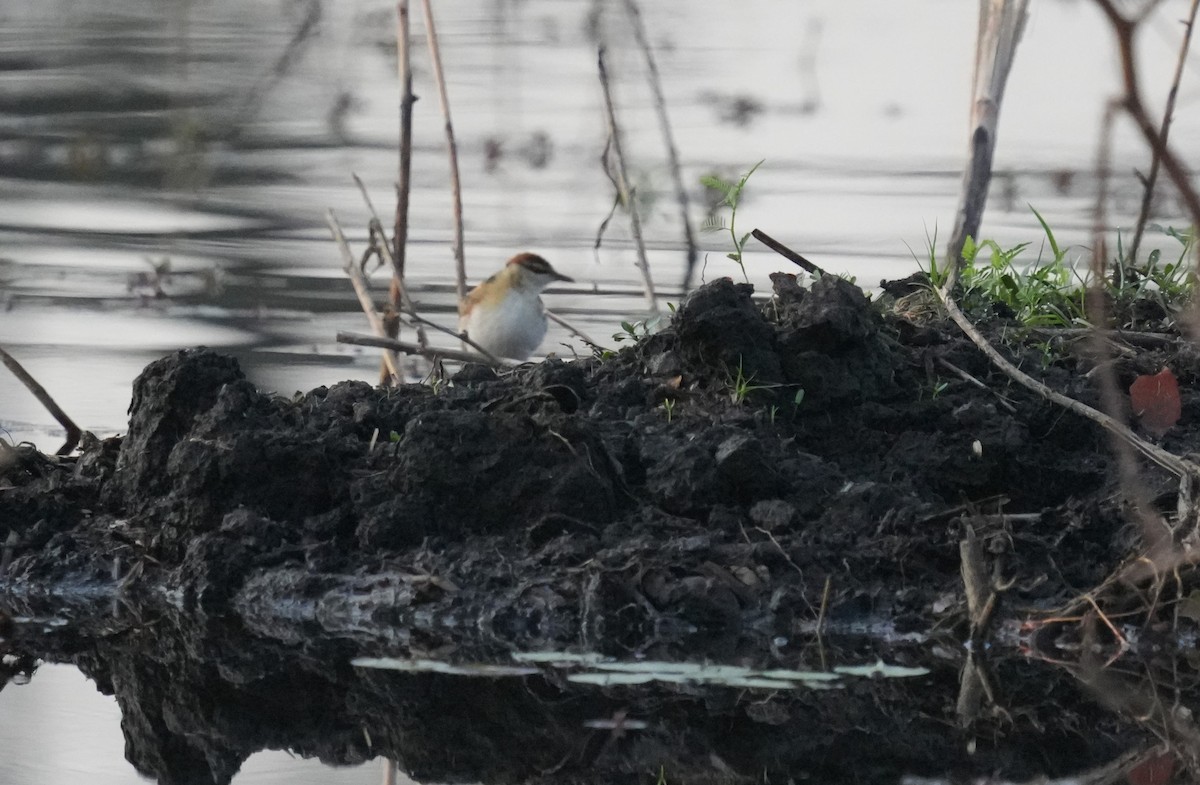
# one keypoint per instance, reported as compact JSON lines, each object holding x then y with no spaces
{"x":562,"y":277}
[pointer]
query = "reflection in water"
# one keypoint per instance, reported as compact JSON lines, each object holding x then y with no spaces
{"x":65,"y":730}
{"x":198,"y":699}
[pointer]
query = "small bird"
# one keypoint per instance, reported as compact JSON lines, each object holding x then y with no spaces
{"x":504,"y":314}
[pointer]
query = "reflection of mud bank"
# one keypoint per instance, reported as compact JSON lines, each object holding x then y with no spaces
{"x":200,"y":696}
{"x":675,"y":499}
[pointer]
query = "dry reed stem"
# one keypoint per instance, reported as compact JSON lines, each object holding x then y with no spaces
{"x":43,"y":397}
{"x":359,"y":281}
{"x":1000,"y":26}
{"x":1164,"y":129}
{"x":435,"y":54}
{"x":626,"y":196}
{"x":664,"y":124}
{"x":404,"y":67}
{"x":357,"y":339}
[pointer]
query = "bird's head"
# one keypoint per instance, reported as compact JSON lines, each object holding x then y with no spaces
{"x":533,"y":271}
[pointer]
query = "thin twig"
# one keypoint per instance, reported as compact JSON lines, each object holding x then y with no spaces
{"x":966,"y":377}
{"x":824,"y":604}
{"x":252,"y":101}
{"x":435,"y":54}
{"x":664,"y":124}
{"x":1135,"y":108}
{"x":39,"y":392}
{"x":1096,"y":305}
{"x":635,"y":221}
{"x":1172,"y":463}
{"x":401,"y":300}
{"x":357,"y":339}
{"x":786,"y":253}
{"x":578,"y":332}
{"x":1133,"y":337}
{"x":1164,"y":129}
{"x":462,"y":336}
{"x":359,"y":281}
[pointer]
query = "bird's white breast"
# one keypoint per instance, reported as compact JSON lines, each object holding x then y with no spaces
{"x":512,"y":328}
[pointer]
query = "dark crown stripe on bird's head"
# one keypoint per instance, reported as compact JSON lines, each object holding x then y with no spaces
{"x":533,"y":263}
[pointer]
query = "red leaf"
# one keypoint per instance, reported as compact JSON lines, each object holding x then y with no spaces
{"x":1155,"y":401}
{"x":1156,"y":769}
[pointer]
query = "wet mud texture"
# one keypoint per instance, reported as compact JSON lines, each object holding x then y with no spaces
{"x":696,"y":494}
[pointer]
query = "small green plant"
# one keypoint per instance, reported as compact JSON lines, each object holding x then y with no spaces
{"x":1046,"y":292}
{"x":741,"y":385}
{"x":1048,"y":353}
{"x":731,"y":195}
{"x":929,"y":263}
{"x":1152,"y":289}
{"x":934,"y":388}
{"x":1050,"y":292}
{"x":668,"y":405}
{"x":639,"y":330}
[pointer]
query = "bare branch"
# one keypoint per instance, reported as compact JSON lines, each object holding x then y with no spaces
{"x":664,"y":124}
{"x":614,"y":133}
{"x":411,"y":348}
{"x":1164,"y":129}
{"x":359,"y":281}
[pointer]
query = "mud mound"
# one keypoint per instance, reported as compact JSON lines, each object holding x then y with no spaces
{"x":746,"y":448}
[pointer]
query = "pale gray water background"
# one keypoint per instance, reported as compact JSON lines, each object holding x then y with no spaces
{"x":105,"y":109}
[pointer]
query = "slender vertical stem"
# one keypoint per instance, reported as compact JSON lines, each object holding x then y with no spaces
{"x":1000,"y":25}
{"x":435,"y":54}
{"x":664,"y":123}
{"x":1168,"y":113}
{"x":614,"y":134}
{"x":358,"y":280}
{"x":400,"y":241}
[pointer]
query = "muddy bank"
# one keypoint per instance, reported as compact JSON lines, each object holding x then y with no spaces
{"x":707,"y":493}
{"x":743,"y":450}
